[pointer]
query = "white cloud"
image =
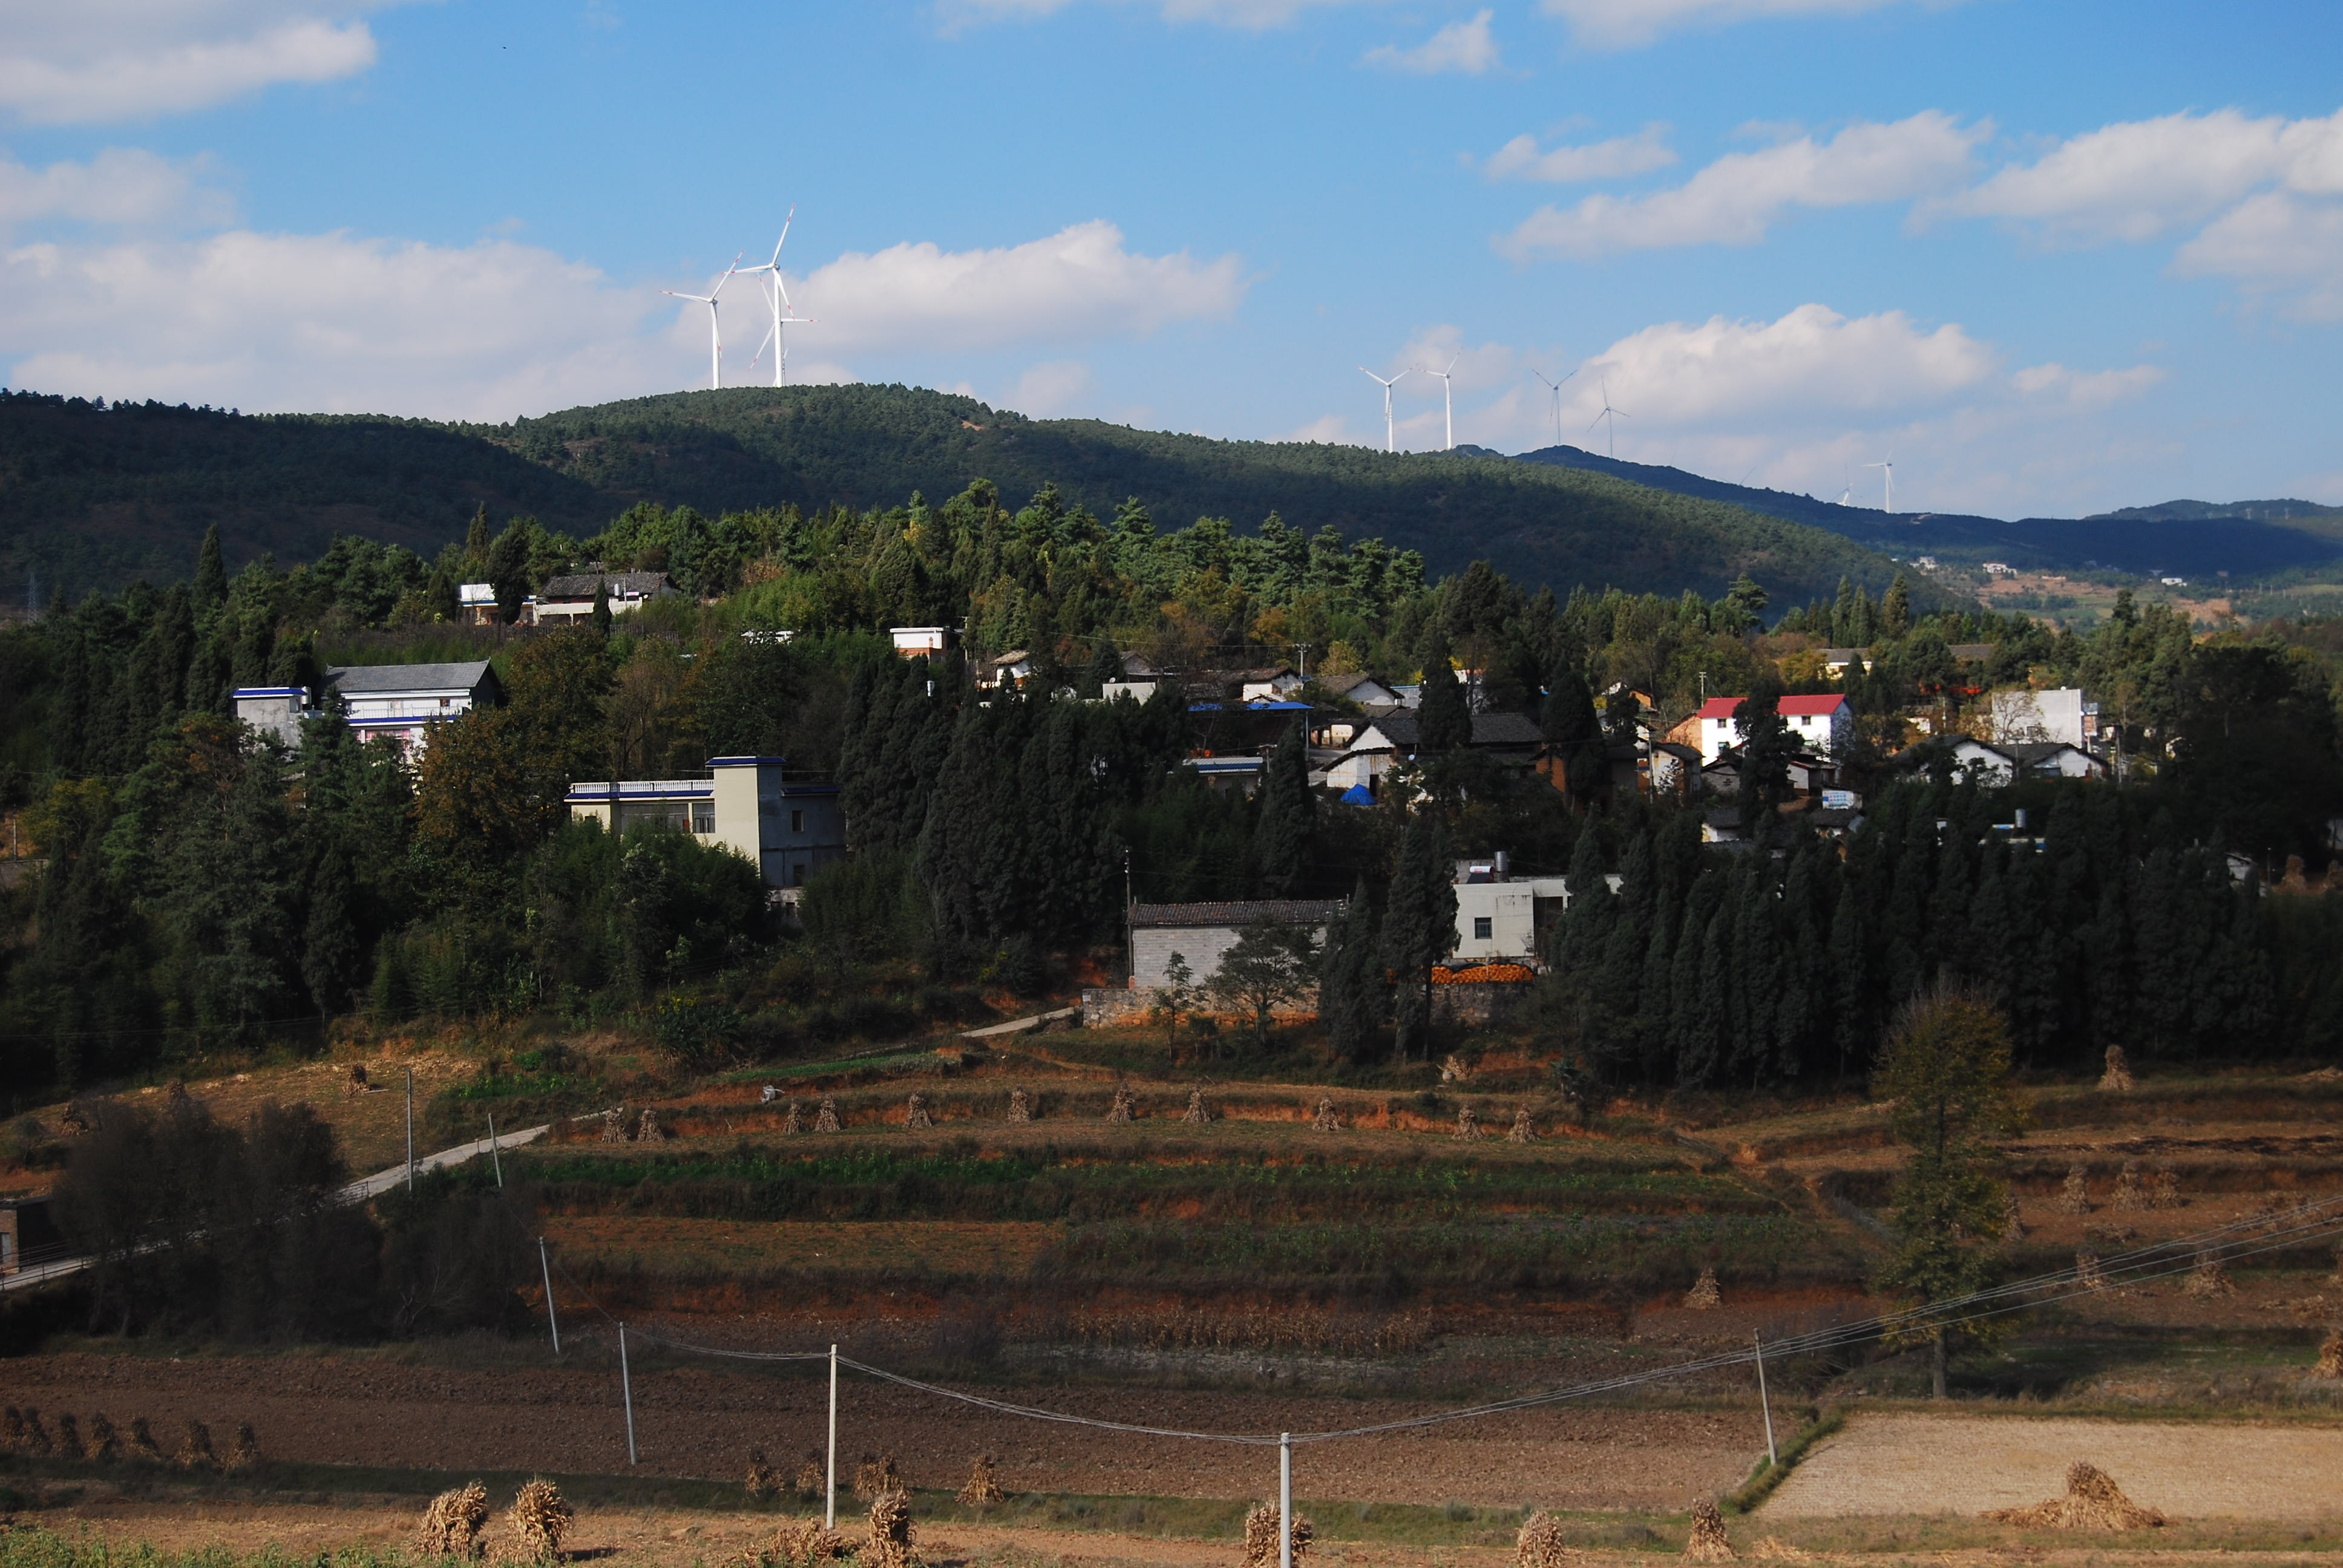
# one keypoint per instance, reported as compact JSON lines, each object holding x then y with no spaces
{"x":1465,"y":47}
{"x":1520,"y":159}
{"x":1254,"y":15}
{"x":1433,"y":348}
{"x":120,"y":188}
{"x":1054,"y":389}
{"x":78,"y":61}
{"x":2084,"y":389}
{"x":2136,"y":179}
{"x":1330,"y":429}
{"x":1736,"y":198}
{"x":1078,"y":284}
{"x":2276,"y":242}
{"x":1630,"y":23}
{"x":339,"y":323}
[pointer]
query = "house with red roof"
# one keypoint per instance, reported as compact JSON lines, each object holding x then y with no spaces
{"x":1823,"y":724}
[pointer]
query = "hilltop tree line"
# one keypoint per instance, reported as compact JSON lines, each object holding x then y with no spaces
{"x":202,"y":885}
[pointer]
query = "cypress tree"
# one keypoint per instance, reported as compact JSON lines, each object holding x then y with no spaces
{"x":1105,"y":666}
{"x":1419,"y":925}
{"x":1288,"y":819}
{"x":331,"y":951}
{"x":602,"y":607}
{"x":211,"y":574}
{"x":1573,"y":733}
{"x":1443,"y":719}
{"x":1350,"y":986}
{"x":1896,"y":610}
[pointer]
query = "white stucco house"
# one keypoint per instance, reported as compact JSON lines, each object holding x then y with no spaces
{"x":1823,"y":723}
{"x":791,"y":830}
{"x":402,"y":701}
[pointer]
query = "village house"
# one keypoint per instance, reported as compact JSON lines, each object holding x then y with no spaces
{"x":1372,"y":697}
{"x":2002,"y":763}
{"x":1201,"y":935}
{"x":921,"y":641}
{"x":789,"y":830}
{"x":476,"y":604}
{"x":29,"y":1236}
{"x":1818,"y":723}
{"x":2059,"y":713}
{"x":567,"y":600}
{"x":1512,"y":739}
{"x":402,"y":701}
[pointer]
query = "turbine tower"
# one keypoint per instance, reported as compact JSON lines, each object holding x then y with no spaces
{"x":1613,"y":415}
{"x":1390,"y":442}
{"x":1886,"y":472}
{"x":1555,"y":387}
{"x":715,"y":337}
{"x":1447,"y":397}
{"x":784,"y":313}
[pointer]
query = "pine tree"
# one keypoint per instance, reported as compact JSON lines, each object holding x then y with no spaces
{"x":1419,"y":925}
{"x":1896,"y":610}
{"x":1105,"y":666}
{"x":330,"y":952}
{"x":1287,"y":820}
{"x":211,"y":574}
{"x":602,"y":607}
{"x":1573,"y":733}
{"x":1443,"y":719}
{"x":1351,"y":982}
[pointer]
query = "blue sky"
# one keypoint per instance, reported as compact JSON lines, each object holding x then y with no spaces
{"x":2048,"y":258}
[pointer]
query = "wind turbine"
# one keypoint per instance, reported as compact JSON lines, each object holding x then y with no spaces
{"x":715,"y":337}
{"x":784,"y":313}
{"x":1447,"y":396}
{"x":1555,"y":387}
{"x":1888,"y":473}
{"x":1614,"y":415}
{"x":1390,"y":443}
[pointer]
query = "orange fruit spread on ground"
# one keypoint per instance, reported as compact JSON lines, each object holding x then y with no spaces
{"x":1482,"y":974}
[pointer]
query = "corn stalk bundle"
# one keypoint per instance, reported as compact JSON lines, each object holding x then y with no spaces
{"x":69,"y":1436}
{"x":1020,"y":1108}
{"x":2208,"y":1278}
{"x":826,"y":1119}
{"x":891,"y":1532}
{"x":103,"y":1444}
{"x":875,"y":1477}
{"x":2075,"y":1196}
{"x":1325,"y":1121}
{"x":813,"y":1478}
{"x":243,"y":1448}
{"x":12,"y":1432}
{"x":793,"y":1118}
{"x":31,"y":1435}
{"x":2117,"y":1078}
{"x":1120,"y":1111}
{"x":2013,"y":1226}
{"x":1707,"y":1543}
{"x":1703,"y":1297}
{"x":2093,"y":1502}
{"x":452,"y":1525}
{"x":196,"y":1448}
{"x":1196,"y":1115}
{"x":982,"y":1490}
{"x":650,"y":1131}
{"x":806,"y":1543}
{"x":2086,"y":1270}
{"x":536,"y":1521}
{"x":1261,"y":1536}
{"x":763,"y":1480}
{"x":1523,"y":1132}
{"x":1468,"y":1126}
{"x":143,"y":1445}
{"x":2131,"y":1192}
{"x":1539,"y":1543}
{"x":356,"y":1084}
{"x":2164,"y":1191}
{"x":614,"y":1125}
{"x":2331,"y":1355}
{"x":915,"y":1114}
{"x":1774,"y":1549}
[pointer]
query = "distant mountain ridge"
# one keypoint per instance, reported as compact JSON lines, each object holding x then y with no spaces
{"x":2246,"y":539}
{"x":91,"y":496}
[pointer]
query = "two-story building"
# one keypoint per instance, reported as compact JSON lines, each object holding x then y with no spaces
{"x":402,"y":701}
{"x":790,"y":830}
{"x":1823,"y":723}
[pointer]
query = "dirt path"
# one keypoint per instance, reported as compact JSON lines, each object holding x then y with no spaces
{"x":1909,"y":1464}
{"x":697,"y":1421}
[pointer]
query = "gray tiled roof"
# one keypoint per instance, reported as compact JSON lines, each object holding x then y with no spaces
{"x":355,"y":679}
{"x":1488,"y":729}
{"x":581,"y":584}
{"x":1283,"y":911}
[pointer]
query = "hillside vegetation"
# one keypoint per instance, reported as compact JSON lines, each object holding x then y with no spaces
{"x":93,"y":497}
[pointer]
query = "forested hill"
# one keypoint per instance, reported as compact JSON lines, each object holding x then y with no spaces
{"x":90,"y":496}
{"x":2190,"y":539}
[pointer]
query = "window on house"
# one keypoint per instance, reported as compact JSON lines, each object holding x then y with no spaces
{"x":703,"y":816}
{"x":1484,"y":928}
{"x":797,"y":822}
{"x":443,"y":702}
{"x":797,"y":875}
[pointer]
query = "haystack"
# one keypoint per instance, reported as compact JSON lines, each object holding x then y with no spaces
{"x":1468,"y":1125}
{"x":807,"y":1542}
{"x":1703,"y":1297}
{"x":536,"y":1523}
{"x":1324,"y":1120}
{"x":982,"y":1491}
{"x":102,"y":1444}
{"x":763,"y":1481}
{"x":2164,"y":1189}
{"x":1454,"y":1071}
{"x":1196,"y":1115}
{"x":825,"y":1120}
{"x":2013,"y":1223}
{"x":793,"y":1118}
{"x":2117,"y":1078}
{"x":243,"y":1448}
{"x":2331,"y":1355}
{"x":875,"y":1477}
{"x":11,"y":1430}
{"x":356,"y":1084}
{"x":1523,"y":1132}
{"x":143,"y":1445}
{"x":1707,"y":1543}
{"x":2086,"y":1270}
{"x":813,"y":1477}
{"x":614,"y":1125}
{"x":1020,"y":1108}
{"x":2131,"y":1193}
{"x":2075,"y":1196}
{"x":76,"y":1118}
{"x":1261,"y":1536}
{"x":68,"y":1436}
{"x":35,"y":1440}
{"x":2208,"y":1278}
{"x":1540,"y":1544}
{"x":891,"y":1532}
{"x":1122,"y":1109}
{"x":2093,"y":1502}
{"x":649,"y":1130}
{"x":195,"y":1448}
{"x":452,"y":1525}
{"x":915,"y":1114}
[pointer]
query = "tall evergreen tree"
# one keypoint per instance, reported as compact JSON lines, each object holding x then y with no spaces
{"x":1444,"y":717}
{"x":1419,"y":925}
{"x":1573,"y":734}
{"x":1351,"y":981}
{"x":211,"y":574}
{"x":1288,"y":819}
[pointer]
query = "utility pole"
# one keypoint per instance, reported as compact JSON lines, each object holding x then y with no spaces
{"x":1773,"y":1455}
{"x":627,"y":1392}
{"x":410,"y":1132}
{"x":1130,"y":951}
{"x":1284,"y":1500}
{"x":551,"y":1321}
{"x":829,"y":1506}
{"x":494,"y":1157}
